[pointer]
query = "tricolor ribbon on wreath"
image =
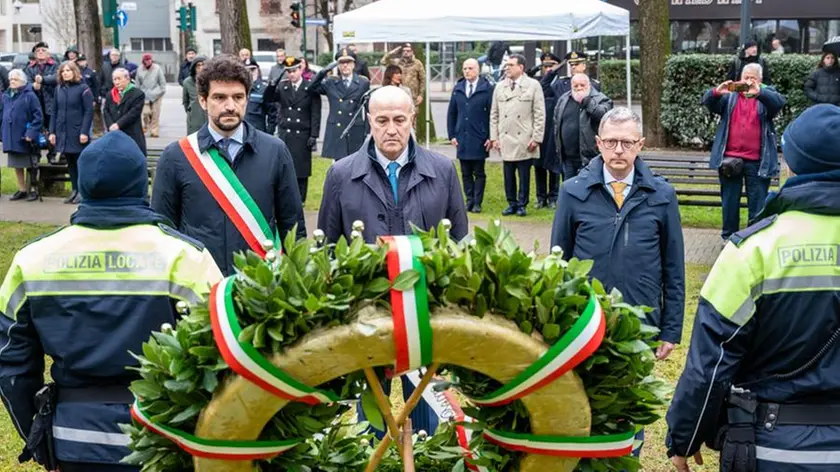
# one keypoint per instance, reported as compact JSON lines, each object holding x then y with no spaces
{"x":413,"y":342}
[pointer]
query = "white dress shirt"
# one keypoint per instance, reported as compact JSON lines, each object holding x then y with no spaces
{"x":627,"y":180}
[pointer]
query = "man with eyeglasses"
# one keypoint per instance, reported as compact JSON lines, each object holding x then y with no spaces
{"x":627,"y":220}
{"x":577,"y":116}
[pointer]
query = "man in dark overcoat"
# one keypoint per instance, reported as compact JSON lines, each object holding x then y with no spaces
{"x":124,"y":107}
{"x":346,"y":94}
{"x":468,"y":123}
{"x":298,"y":118}
{"x":547,"y":169}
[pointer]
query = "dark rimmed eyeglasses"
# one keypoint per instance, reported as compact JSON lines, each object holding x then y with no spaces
{"x":625,"y":143}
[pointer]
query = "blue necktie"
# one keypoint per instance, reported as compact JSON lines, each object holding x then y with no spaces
{"x":224,"y":146}
{"x":392,"y":176}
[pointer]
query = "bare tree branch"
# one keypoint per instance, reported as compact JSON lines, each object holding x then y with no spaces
{"x":58,"y":18}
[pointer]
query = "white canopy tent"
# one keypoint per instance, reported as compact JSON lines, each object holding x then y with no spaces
{"x":431,"y":21}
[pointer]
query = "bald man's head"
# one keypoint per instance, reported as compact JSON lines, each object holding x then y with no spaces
{"x":391,"y":119}
{"x":470,"y":69}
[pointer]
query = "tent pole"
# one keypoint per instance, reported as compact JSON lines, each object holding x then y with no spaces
{"x":629,"y":75}
{"x":428,"y":109}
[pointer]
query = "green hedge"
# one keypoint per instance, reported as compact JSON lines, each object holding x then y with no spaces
{"x":689,"y":76}
{"x":613,"y":77}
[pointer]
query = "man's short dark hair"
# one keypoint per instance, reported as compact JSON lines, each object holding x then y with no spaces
{"x":222,"y":68}
{"x":520,"y":59}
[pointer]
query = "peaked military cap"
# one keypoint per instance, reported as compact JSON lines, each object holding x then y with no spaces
{"x":345,"y":55}
{"x":575,"y":57}
{"x":292,"y":62}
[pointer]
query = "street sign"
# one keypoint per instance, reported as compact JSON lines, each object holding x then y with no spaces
{"x":121,"y":18}
{"x":316,"y":22}
{"x":128,"y":6}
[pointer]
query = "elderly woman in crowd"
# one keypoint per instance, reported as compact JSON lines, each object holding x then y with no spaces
{"x":196,"y":116}
{"x":124,"y":108}
{"x":70,"y":126}
{"x":21,"y":128}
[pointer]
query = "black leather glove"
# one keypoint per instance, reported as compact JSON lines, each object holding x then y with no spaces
{"x":738,"y":452}
{"x":311,"y":143}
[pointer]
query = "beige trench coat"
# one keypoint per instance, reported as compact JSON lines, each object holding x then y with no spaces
{"x":517,"y":117}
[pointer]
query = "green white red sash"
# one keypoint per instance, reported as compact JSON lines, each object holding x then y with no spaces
{"x":580,"y":342}
{"x":214,"y":448}
{"x":410,"y":308}
{"x":245,"y":360}
{"x":596,"y":447}
{"x":220,"y":180}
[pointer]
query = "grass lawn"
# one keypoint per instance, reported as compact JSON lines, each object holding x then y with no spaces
{"x":14,"y":235}
{"x":494,"y":198}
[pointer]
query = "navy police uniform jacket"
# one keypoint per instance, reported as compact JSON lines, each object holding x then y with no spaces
{"x":645,"y":234}
{"x":769,"y":305}
{"x":88,"y":294}
{"x":298,"y":120}
{"x":468,"y":118}
{"x":344,"y":102}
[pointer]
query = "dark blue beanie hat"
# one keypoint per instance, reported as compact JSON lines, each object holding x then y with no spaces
{"x":113,"y":166}
{"x":811,"y":143}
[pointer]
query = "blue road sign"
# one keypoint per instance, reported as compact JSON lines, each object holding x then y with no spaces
{"x":122,"y":18}
{"x":316,"y":22}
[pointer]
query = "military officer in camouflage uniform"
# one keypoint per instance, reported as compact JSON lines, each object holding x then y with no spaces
{"x":345,"y":93}
{"x":298,"y":118}
{"x":577,"y":65}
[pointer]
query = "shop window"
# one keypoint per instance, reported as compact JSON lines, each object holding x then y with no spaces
{"x":691,"y":36}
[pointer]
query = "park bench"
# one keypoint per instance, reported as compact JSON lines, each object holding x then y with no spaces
{"x":695,"y":183}
{"x":51,"y":174}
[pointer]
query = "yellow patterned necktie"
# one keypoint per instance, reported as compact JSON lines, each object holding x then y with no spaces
{"x":618,"y":192}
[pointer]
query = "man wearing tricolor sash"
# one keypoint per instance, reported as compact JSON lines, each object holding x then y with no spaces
{"x":86,"y":296}
{"x":229,"y":185}
{"x":390,"y":184}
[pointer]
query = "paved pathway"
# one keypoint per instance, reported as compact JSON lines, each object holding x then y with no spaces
{"x":701,"y":245}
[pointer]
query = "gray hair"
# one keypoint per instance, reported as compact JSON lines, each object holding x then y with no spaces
{"x":115,"y":50}
{"x":618,"y":116}
{"x":584,"y":76}
{"x":754,"y":67}
{"x":19,"y":74}
{"x":121,"y":70}
{"x":390,"y":94}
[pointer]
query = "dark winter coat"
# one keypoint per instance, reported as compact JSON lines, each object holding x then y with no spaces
{"x":298,"y":119}
{"x":91,"y":79}
{"x":21,"y":118}
{"x":344,"y":102}
{"x":823,"y":86}
{"x":638,"y":249}
{"x":592,"y":109}
{"x":770,"y":103}
{"x":468,"y":119}
{"x":127,"y":115}
{"x":73,"y":117}
{"x":265,"y":169}
{"x":361,"y":68}
{"x":736,"y":67}
{"x":4,"y":79}
{"x":186,"y":66}
{"x":48,"y":72}
{"x":257,"y":109}
{"x":196,"y":116}
{"x":357,"y":188}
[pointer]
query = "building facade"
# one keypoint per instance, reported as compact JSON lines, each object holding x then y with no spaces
{"x":713,"y":26}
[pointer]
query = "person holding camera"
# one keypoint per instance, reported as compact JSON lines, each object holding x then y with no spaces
{"x":744,"y":151}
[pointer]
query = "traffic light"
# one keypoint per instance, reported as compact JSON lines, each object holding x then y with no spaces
{"x":295,"y":14}
{"x":186,"y":18}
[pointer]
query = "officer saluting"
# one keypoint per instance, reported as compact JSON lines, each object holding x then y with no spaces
{"x":345,"y":94}
{"x":85,"y":296}
{"x":764,"y":352}
{"x":577,"y":65}
{"x":298,"y":118}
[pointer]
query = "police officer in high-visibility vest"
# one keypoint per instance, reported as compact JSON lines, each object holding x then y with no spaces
{"x":85,"y":295}
{"x":762,"y":380}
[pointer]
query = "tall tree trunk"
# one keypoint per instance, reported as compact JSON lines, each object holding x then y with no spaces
{"x":420,"y":53}
{"x":89,"y":42}
{"x":233,"y":23}
{"x":655,"y":47}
